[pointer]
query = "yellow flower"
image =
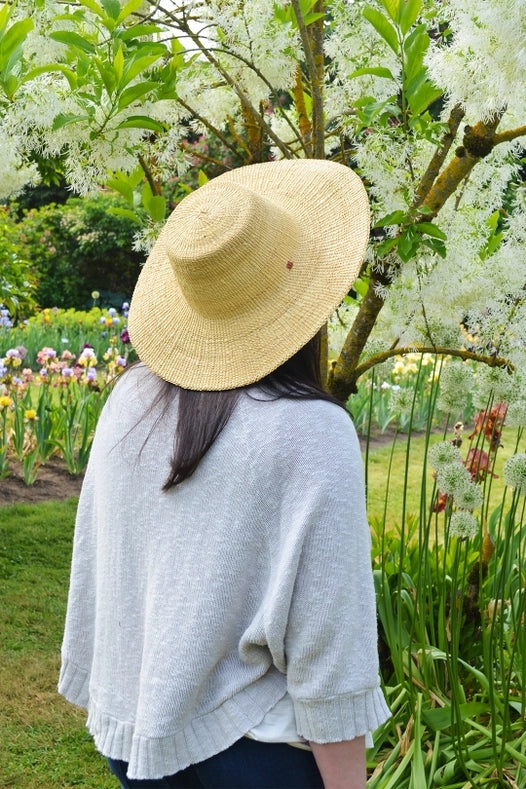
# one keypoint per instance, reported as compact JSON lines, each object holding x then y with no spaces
{"x":30,"y":414}
{"x":5,"y":401}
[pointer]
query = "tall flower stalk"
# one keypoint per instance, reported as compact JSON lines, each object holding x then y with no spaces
{"x":451,"y":599}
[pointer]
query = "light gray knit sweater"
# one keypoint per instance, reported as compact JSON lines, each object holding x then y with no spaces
{"x":192,"y":612}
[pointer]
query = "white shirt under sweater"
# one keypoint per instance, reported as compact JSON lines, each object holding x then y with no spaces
{"x":192,"y":612}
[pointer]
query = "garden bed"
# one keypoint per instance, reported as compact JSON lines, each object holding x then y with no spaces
{"x":53,"y":482}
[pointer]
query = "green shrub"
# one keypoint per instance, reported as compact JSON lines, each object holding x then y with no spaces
{"x":78,"y":248}
{"x":16,"y":280}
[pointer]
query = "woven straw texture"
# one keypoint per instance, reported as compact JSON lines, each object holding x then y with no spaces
{"x":246,"y":270}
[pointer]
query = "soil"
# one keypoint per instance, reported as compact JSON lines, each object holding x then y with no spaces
{"x":53,"y":482}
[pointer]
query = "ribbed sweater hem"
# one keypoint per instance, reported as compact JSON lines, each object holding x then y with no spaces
{"x":155,"y":757}
{"x":341,"y":717}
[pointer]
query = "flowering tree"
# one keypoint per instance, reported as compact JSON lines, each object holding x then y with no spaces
{"x":426,"y":100}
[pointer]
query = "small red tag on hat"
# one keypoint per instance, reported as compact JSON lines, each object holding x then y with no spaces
{"x":289,"y":264}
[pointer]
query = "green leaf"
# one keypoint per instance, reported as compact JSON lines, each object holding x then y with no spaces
{"x":376,"y":72}
{"x":135,"y":66}
{"x":308,"y":19}
{"x":202,"y":178}
{"x":156,"y":207}
{"x":13,"y":38}
{"x":68,"y":73}
{"x":394,"y":218}
{"x":386,"y":246}
{"x":118,"y":64}
{"x":441,"y":717}
{"x":73,"y":40}
{"x":393,"y":9}
{"x":418,"y":773}
{"x":361,"y":285}
{"x":415,"y":48}
{"x":133,"y":93}
{"x":136,"y":31}
{"x":128,"y":9}
{"x":141,"y":122}
{"x":107,"y":74}
{"x":424,"y":95}
{"x":93,"y":6}
{"x":10,"y":85}
{"x":408,"y":243}
{"x":65,"y":119}
{"x":382,"y":26}
{"x":123,"y":188}
{"x":493,"y":220}
{"x":408,"y":13}
{"x":125,"y":184}
{"x":430,"y":229}
{"x":112,"y":8}
{"x":125,"y":212}
{"x":5,"y":13}
{"x":435,"y":245}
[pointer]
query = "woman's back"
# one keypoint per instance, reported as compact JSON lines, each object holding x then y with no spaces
{"x":209,"y":592}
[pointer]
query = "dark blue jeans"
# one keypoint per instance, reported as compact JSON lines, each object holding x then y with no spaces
{"x":248,"y":764}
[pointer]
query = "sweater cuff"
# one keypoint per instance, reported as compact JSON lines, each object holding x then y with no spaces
{"x":341,"y":717}
{"x":73,"y":684}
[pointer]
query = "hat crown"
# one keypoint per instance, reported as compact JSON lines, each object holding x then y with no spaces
{"x":227,"y":246}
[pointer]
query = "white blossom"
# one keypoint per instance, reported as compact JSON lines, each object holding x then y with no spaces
{"x":515,"y":472}
{"x":443,"y":453}
{"x":493,"y":384}
{"x":516,"y":414}
{"x":463,"y":525}
{"x":475,"y":68}
{"x":456,"y":381}
{"x":453,"y":478}
{"x":470,"y":497}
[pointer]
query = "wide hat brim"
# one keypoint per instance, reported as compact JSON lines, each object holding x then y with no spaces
{"x":201,"y":350}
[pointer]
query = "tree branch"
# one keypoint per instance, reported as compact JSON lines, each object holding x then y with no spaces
{"x":310,"y":49}
{"x":226,"y":142}
{"x":428,"y":179}
{"x":509,"y":135}
{"x":245,"y":101}
{"x":378,"y":358}
{"x":342,"y":378}
{"x":304,"y":120}
{"x":154,"y":183}
{"x":478,"y":142}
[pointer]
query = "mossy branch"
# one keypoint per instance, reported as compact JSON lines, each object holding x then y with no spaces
{"x":439,"y":157}
{"x":311,"y":49}
{"x":509,"y":135}
{"x":153,"y":182}
{"x":478,"y":142}
{"x":342,"y":377}
{"x":303,"y":118}
{"x":461,"y":353}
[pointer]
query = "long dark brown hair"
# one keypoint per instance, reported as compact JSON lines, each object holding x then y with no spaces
{"x":201,"y":416}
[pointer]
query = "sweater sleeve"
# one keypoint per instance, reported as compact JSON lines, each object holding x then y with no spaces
{"x":331,"y":634}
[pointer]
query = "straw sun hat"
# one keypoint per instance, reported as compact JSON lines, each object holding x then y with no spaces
{"x":246,"y":271}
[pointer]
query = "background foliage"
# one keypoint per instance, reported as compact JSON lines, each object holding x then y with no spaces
{"x":77,"y":248}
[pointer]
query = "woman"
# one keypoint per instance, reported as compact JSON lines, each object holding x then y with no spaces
{"x":221,"y":625}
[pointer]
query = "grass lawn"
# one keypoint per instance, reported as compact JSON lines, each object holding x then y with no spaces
{"x":387,"y":492}
{"x":44,"y":744}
